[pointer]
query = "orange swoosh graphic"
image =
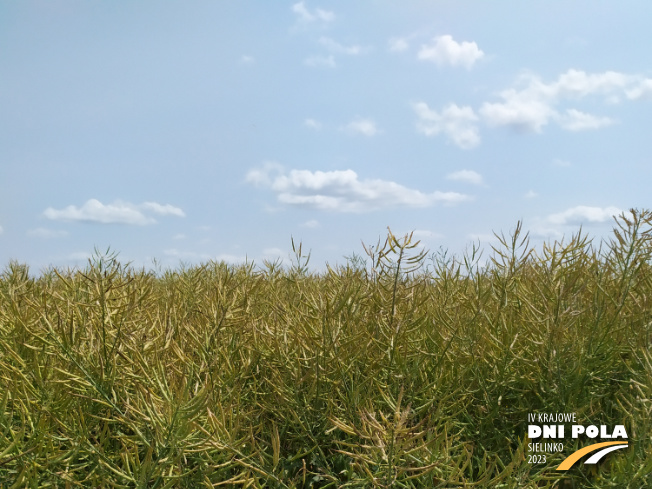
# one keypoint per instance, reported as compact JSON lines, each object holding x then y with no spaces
{"x":575,"y":456}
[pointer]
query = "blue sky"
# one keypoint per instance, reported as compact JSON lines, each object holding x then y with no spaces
{"x":189,"y":131}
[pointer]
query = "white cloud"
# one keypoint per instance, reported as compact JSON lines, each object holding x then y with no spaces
{"x":273,"y":253}
{"x":468,"y":176}
{"x":163,"y":210}
{"x":265,"y":175}
{"x":532,"y":104}
{"x":545,"y":232}
{"x":245,"y":59}
{"x":301,"y":10}
{"x":582,"y":214}
{"x":574,"y":120}
{"x":531,"y":194}
{"x":179,"y":236}
{"x":336,"y":47}
{"x":457,"y":123}
{"x":520,"y":110}
{"x":343,"y":191}
{"x":398,"y":44}
{"x":94,"y":211}
{"x":312,"y":223}
{"x":116,"y":213}
{"x":305,"y":15}
{"x":1,"y":230}
{"x":320,"y":61}
{"x":366,"y":127}
{"x":577,"y":83}
{"x":445,"y":50}
{"x":45,"y":233}
{"x":312,"y":124}
{"x":642,"y":89}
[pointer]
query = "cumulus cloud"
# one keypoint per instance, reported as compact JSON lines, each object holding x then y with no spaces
{"x":320,"y":61}
{"x":445,"y":50}
{"x":163,"y":210}
{"x":642,"y":89}
{"x":116,"y":213}
{"x":584,"y":214}
{"x":398,"y":44}
{"x":305,"y":15}
{"x":312,"y":223}
{"x":577,"y":83}
{"x":336,"y":47}
{"x":574,"y":120}
{"x":343,"y":191}
{"x":273,"y":253}
{"x":245,"y":59}
{"x":312,"y":124}
{"x":467,"y":176}
{"x":366,"y":127}
{"x":543,"y":231}
{"x":458,"y":124}
{"x":532,"y":103}
{"x":265,"y":175}
{"x":520,"y":110}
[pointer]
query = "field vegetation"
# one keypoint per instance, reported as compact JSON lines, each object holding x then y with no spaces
{"x":399,"y":368}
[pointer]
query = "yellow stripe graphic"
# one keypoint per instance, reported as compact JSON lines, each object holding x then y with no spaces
{"x":575,"y":456}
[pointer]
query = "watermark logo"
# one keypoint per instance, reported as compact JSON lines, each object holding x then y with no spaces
{"x":551,"y":427}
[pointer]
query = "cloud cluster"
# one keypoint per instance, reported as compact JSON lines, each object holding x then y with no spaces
{"x":441,"y":50}
{"x":398,"y":44}
{"x":312,"y":124}
{"x":444,"y":50}
{"x":246,"y":59}
{"x":336,"y":47}
{"x":343,"y":191}
{"x":551,"y":226}
{"x":531,"y":104}
{"x":305,"y":15}
{"x":116,"y":213}
{"x":575,"y":120}
{"x":320,"y":61}
{"x":312,"y":223}
{"x":458,"y":124}
{"x":366,"y":127}
{"x":466,"y":176}
{"x":584,"y":214}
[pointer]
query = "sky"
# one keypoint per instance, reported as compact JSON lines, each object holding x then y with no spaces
{"x":191,"y":131}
